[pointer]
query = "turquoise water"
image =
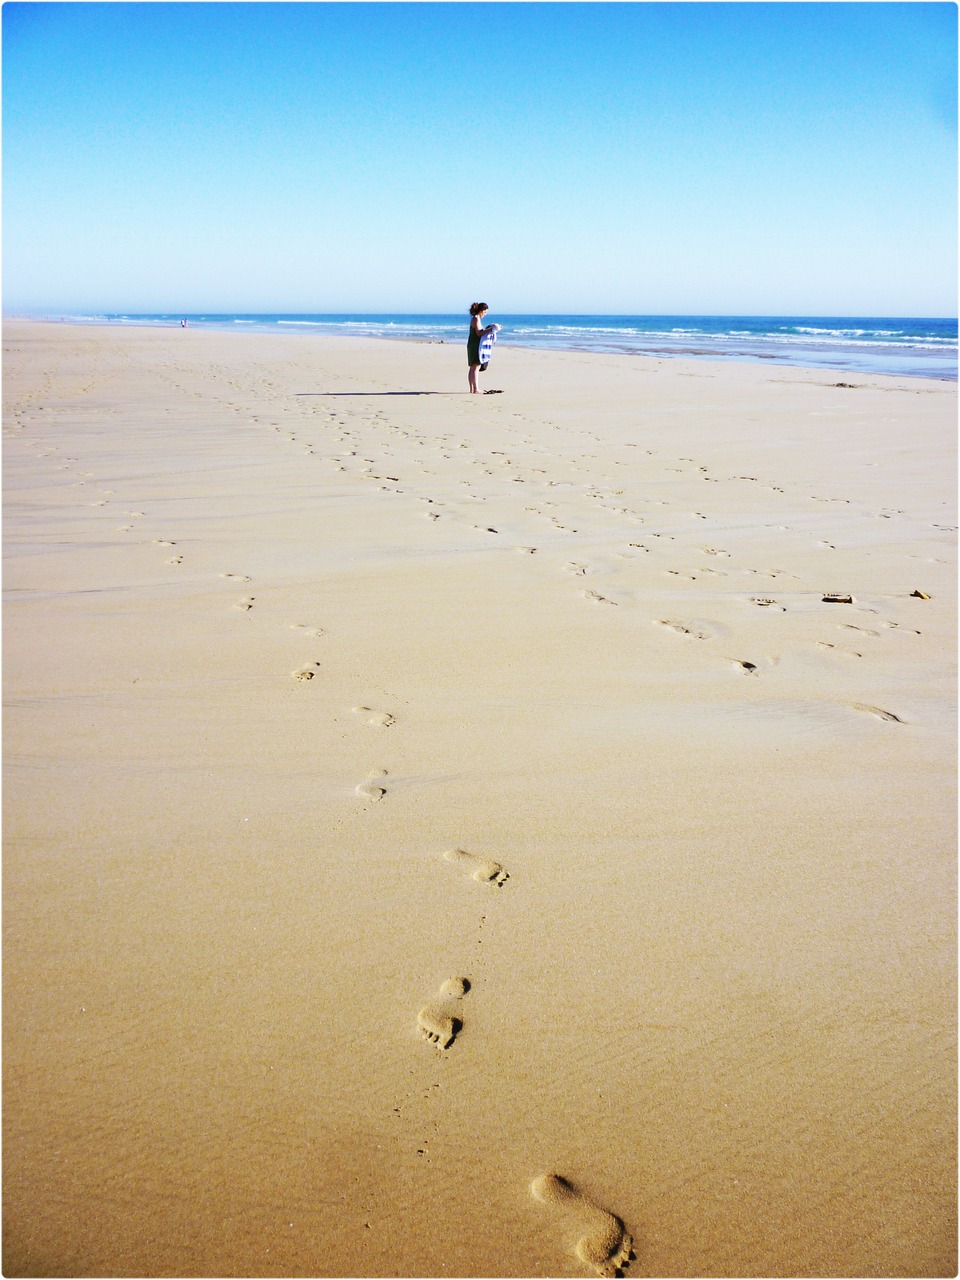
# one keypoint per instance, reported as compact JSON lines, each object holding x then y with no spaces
{"x":856,"y":344}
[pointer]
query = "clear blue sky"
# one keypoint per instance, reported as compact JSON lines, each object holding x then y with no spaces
{"x":768,"y":158}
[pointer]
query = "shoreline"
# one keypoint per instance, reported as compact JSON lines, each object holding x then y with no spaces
{"x":684,"y":365}
{"x":411,"y":794}
{"x":802,"y":358}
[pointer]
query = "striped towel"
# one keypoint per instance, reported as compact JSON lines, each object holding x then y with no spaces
{"x":486,"y":345}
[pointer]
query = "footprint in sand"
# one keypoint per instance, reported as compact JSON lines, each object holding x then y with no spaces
{"x":438,"y":1021}
{"x":866,"y":631}
{"x":245,"y":603}
{"x":302,"y":626}
{"x":235,"y":577}
{"x":698,"y":630}
{"x":606,"y":1245}
{"x":850,"y":653}
{"x":482,"y":869}
{"x":878,"y":712}
{"x":382,"y":718}
{"x":749,"y":667}
{"x":306,"y":672}
{"x":371,"y":790}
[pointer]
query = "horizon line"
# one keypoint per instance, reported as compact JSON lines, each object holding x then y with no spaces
{"x":22,"y":314}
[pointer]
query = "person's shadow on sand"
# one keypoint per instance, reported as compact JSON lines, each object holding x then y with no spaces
{"x":378,"y":393}
{"x":492,"y":392}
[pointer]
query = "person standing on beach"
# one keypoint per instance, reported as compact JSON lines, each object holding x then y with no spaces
{"x":477,"y":311}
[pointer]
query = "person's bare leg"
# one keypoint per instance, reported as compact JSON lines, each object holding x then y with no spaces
{"x":472,"y":378}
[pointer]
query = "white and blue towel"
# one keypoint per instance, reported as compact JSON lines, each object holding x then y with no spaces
{"x":486,"y":345}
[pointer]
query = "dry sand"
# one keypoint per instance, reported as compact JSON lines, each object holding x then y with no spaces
{"x":349,"y":716}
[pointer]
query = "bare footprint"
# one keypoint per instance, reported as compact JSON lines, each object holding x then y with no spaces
{"x":382,"y":718}
{"x":437,"y":1022}
{"x":866,"y":631}
{"x":439,"y":1028}
{"x":850,"y":653}
{"x":482,"y":869}
{"x":697,"y":630}
{"x":878,"y":712}
{"x":606,"y":1245}
{"x":371,"y":790}
{"x":306,"y":672}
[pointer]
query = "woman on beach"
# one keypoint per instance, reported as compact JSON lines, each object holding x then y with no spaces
{"x":477,"y":311}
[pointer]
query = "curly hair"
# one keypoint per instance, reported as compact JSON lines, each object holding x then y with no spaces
{"x":477,"y":307}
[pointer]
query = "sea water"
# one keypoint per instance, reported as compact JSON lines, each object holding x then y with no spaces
{"x":855,"y":344}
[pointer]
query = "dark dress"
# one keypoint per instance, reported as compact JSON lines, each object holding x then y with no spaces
{"x":473,"y":345}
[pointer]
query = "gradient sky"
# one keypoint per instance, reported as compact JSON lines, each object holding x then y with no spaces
{"x":758,"y":158}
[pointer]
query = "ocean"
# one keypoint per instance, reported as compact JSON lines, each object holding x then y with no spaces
{"x":852,"y":344}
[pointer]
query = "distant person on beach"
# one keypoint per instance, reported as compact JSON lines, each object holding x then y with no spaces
{"x":477,"y":311}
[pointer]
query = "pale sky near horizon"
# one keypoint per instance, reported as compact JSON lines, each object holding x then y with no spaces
{"x":680,"y":158}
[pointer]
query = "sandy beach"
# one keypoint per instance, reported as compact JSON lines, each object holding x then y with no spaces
{"x":409,"y":795}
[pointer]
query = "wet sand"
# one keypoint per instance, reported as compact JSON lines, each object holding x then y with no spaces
{"x":474,"y":836}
